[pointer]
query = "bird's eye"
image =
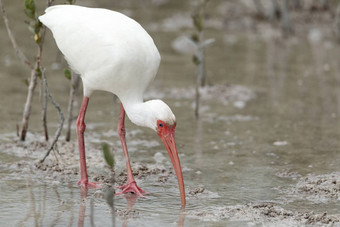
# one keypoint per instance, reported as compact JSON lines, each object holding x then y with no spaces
{"x":160,"y":125}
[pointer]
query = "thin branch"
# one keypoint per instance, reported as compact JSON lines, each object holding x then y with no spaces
{"x":199,"y":56}
{"x":43,"y":84}
{"x":35,"y":72}
{"x":197,"y":98}
{"x":286,"y":23}
{"x":61,"y":118}
{"x":275,"y":12}
{"x":337,"y":22}
{"x":17,"y":50}
{"x":75,"y":79}
{"x":28,"y":104}
{"x":44,"y":109}
{"x":259,"y":8}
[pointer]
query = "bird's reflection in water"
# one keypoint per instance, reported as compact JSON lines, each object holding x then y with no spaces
{"x":131,"y":200}
{"x":109,"y":194}
{"x":181,"y":218}
{"x":82,"y":207}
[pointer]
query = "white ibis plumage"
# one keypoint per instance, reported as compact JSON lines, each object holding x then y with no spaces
{"x":113,"y":53}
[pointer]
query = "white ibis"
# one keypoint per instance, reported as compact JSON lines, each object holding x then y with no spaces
{"x":113,"y":53}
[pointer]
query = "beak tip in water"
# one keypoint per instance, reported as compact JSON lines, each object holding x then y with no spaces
{"x":170,"y":145}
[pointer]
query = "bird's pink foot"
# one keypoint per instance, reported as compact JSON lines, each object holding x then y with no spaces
{"x":131,"y":187}
{"x":88,"y":185}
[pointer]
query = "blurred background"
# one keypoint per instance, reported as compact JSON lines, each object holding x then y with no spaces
{"x":268,"y":114}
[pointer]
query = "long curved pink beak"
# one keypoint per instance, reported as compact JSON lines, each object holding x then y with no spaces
{"x":170,"y":145}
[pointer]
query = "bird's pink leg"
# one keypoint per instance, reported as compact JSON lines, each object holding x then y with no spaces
{"x":131,"y":185}
{"x":84,"y":183}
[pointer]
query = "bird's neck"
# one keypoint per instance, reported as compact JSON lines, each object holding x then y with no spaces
{"x":140,"y":113}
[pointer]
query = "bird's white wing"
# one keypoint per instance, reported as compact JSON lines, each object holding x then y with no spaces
{"x":109,"y":49}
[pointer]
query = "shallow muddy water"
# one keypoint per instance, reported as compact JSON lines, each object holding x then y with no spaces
{"x":265,"y":150}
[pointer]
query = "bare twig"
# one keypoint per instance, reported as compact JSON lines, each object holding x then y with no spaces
{"x":28,"y":106}
{"x":61,"y":118}
{"x":259,"y":8}
{"x":74,"y":88}
{"x":198,"y":20}
{"x":34,"y":72}
{"x":197,"y":98}
{"x":44,"y":88}
{"x":337,"y":22}
{"x":275,"y":12}
{"x":286,"y":23}
{"x":18,"y":130}
{"x":44,"y":109}
{"x":33,"y":82}
{"x":17,"y":50}
{"x":199,"y":57}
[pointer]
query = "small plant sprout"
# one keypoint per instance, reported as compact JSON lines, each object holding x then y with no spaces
{"x":110,"y":161}
{"x":108,"y":156}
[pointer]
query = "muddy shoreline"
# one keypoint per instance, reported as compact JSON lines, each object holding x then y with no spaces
{"x":62,"y":167}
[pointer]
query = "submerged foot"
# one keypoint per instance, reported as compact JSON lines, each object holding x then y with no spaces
{"x":131,"y":187}
{"x":88,"y":185}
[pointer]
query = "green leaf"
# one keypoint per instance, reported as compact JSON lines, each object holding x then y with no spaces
{"x":198,"y":21}
{"x":30,"y":8}
{"x":38,"y":73}
{"x":196,"y":60}
{"x":195,"y":38}
{"x":108,"y":155}
{"x":68,"y":74}
{"x":37,"y":26}
{"x":29,"y":13}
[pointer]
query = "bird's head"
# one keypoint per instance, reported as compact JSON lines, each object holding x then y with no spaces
{"x":158,"y":116}
{"x":164,"y":123}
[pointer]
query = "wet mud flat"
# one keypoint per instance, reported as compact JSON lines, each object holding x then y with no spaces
{"x":62,"y":168}
{"x":316,"y":188}
{"x":319,"y":188}
{"x":62,"y":165}
{"x":265,"y":213}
